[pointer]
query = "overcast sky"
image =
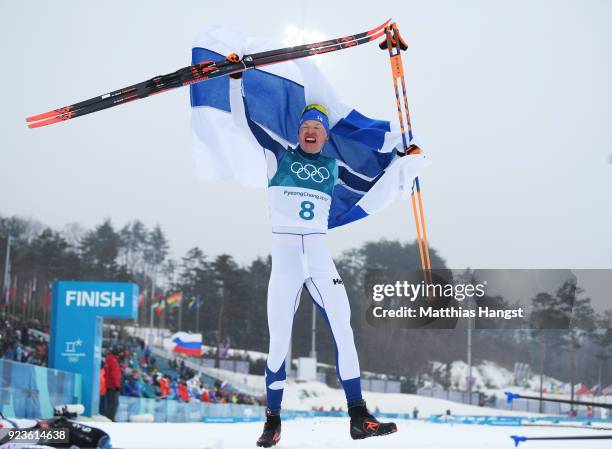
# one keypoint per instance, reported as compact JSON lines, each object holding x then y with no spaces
{"x":512,"y":100}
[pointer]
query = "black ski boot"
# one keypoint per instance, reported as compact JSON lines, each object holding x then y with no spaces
{"x":364,"y":425}
{"x":272,"y":430}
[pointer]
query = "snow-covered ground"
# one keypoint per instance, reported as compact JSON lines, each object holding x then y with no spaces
{"x":332,"y":433}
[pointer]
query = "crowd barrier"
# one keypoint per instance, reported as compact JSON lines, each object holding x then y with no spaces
{"x":30,"y":391}
{"x":381,"y":386}
{"x":450,"y":395}
{"x":514,"y":421}
{"x":164,"y":410}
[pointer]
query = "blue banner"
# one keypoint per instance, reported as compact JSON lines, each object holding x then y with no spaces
{"x":29,"y":391}
{"x":77,"y":313}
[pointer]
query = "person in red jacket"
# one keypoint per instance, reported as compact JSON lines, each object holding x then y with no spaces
{"x":183,"y":392}
{"x":205,"y":397}
{"x":164,"y":387}
{"x":113,"y":383}
{"x":102,"y":389}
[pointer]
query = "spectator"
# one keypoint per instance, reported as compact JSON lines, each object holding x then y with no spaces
{"x":205,"y":397}
{"x":589,"y":411}
{"x":102,"y":389}
{"x":113,"y":383}
{"x":164,"y":385}
{"x":132,"y":386}
{"x":183,"y":393}
{"x":18,"y":353}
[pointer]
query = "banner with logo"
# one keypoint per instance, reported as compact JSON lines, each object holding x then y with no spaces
{"x":77,"y":315}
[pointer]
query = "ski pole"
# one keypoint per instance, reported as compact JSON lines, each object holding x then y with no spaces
{"x":512,"y":396}
{"x":394,"y":41}
{"x":519,"y":439}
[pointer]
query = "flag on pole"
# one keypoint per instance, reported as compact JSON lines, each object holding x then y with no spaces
{"x":158,"y":306}
{"x":13,"y":293}
{"x":582,"y":390}
{"x":141,"y":297}
{"x":594,"y":391}
{"x":174,"y":299}
{"x":194,"y":303}
{"x":47,"y":295}
{"x":189,"y":344}
{"x":27,"y":293}
{"x":275,"y":96}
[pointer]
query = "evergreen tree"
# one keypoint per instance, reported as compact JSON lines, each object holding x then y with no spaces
{"x":99,"y":250}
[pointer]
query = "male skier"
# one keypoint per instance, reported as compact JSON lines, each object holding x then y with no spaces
{"x":300,"y":185}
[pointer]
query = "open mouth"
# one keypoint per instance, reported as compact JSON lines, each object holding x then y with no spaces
{"x":310,"y":139}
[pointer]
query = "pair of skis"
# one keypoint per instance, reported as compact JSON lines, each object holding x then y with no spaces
{"x":201,"y":72}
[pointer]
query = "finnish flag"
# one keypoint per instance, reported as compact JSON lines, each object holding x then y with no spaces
{"x":275,"y":96}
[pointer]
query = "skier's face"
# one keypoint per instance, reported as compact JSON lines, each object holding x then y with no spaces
{"x":312,"y":136}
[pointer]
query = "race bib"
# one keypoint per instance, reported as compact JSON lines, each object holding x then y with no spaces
{"x":298,"y":207}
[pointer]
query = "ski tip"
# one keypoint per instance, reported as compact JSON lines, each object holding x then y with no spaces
{"x":34,"y":118}
{"x":511,"y":396}
{"x":53,"y":113}
{"x":517,"y":439}
{"x":379,"y":28}
{"x":46,"y":122}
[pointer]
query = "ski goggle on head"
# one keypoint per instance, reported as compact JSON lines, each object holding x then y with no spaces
{"x":318,"y":112}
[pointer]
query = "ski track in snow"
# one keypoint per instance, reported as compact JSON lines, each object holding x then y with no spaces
{"x":333,"y":433}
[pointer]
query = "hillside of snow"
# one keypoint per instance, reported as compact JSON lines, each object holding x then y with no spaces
{"x":487,"y":376}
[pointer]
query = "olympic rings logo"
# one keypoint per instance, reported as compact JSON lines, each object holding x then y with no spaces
{"x":309,"y":171}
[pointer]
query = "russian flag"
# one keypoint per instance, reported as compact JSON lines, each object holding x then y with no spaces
{"x":189,"y":344}
{"x":582,"y":390}
{"x":275,"y":96}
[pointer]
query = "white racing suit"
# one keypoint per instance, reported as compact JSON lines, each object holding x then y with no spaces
{"x":300,"y":186}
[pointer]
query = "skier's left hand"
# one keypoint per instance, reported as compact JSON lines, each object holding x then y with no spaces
{"x":413,"y":149}
{"x":236,"y":57}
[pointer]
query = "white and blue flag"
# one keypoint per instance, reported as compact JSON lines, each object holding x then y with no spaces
{"x":275,"y":96}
